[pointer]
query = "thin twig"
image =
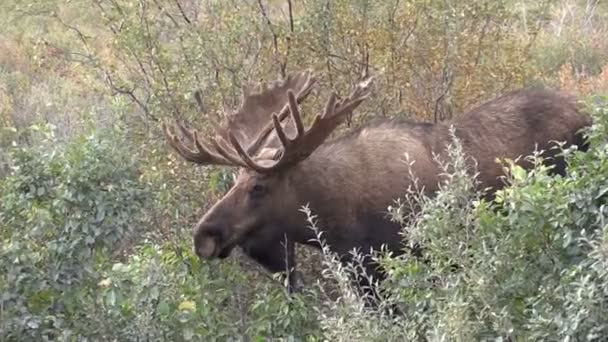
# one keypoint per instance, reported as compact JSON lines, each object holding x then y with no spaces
{"x":275,"y":40}
{"x":181,"y":10}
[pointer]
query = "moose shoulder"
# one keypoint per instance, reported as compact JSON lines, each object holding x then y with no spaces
{"x":349,"y":182}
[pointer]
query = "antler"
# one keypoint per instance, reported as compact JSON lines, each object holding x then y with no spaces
{"x":201,"y":154}
{"x":252,"y":119}
{"x":305,"y":142}
{"x":255,"y":110}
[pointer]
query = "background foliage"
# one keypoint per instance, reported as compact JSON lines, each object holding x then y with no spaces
{"x":95,"y":213}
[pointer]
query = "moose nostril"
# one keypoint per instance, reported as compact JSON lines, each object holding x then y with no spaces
{"x":205,"y":245}
{"x":203,"y":252}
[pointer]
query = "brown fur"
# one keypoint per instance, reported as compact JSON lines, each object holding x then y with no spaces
{"x":350,"y":182}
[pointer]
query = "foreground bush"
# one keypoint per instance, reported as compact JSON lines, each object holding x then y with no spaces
{"x":531,"y":266}
{"x":62,"y":214}
{"x":75,"y":262}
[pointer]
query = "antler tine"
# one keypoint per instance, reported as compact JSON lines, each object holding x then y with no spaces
{"x":245,"y":157}
{"x":296,"y":116}
{"x":301,"y":96}
{"x":306,"y":142}
{"x":201,"y":155}
{"x":295,"y":113}
{"x":185,"y":131}
{"x":225,"y":151}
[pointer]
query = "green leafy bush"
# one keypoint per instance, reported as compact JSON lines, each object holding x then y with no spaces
{"x":529,"y":266}
{"x":162,"y":294}
{"x":74,"y":262}
{"x":64,"y":210}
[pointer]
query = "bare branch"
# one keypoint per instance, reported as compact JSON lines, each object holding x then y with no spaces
{"x":181,"y":10}
{"x":275,"y":40}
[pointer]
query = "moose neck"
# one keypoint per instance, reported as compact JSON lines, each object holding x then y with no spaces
{"x":318,"y":185}
{"x":350,"y":182}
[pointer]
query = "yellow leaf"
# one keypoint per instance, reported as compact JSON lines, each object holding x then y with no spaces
{"x":105,"y":283}
{"x":187,"y":305}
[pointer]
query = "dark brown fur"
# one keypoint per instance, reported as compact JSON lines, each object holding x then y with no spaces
{"x":349,"y":182}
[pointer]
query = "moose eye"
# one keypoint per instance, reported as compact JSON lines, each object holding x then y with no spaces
{"x":257,"y":190}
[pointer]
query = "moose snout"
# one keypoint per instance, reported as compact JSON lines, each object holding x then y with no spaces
{"x":206,"y":242}
{"x":205,"y":248}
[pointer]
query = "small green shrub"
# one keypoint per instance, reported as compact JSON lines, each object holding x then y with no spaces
{"x":64,"y":210}
{"x":162,"y":294}
{"x":74,"y":264}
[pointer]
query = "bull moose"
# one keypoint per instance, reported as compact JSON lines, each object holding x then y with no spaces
{"x":349,"y":182}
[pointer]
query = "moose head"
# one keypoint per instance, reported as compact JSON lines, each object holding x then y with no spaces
{"x":267,"y":140}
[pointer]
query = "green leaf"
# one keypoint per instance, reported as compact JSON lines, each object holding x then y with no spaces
{"x":163,"y":308}
{"x":518,"y":173}
{"x":154,"y":292}
{"x":111,"y":297}
{"x":101,"y":214}
{"x":188,"y":334}
{"x":89,"y":240}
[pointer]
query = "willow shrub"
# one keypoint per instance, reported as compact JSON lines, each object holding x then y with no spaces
{"x":79,"y":259}
{"x":530,"y":266}
{"x":63,"y":210}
